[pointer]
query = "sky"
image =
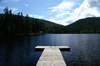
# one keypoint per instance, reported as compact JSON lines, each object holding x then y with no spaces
{"x":62,"y":12}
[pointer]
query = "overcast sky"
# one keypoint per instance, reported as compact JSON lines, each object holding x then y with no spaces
{"x":59,"y":11}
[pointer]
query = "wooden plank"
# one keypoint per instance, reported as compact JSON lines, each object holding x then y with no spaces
{"x":60,"y":47}
{"x":51,"y":56}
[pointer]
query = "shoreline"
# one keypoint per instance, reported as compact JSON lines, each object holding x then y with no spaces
{"x":33,"y":34}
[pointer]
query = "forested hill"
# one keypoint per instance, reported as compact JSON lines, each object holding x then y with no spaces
{"x":87,"y":25}
{"x":18,"y":24}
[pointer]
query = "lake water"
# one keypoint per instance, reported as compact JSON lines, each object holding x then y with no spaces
{"x":19,"y":50}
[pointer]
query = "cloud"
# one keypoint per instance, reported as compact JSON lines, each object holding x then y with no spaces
{"x":93,"y":3}
{"x":89,"y":8}
{"x":13,"y":9}
{"x":62,"y":7}
{"x":57,"y":21}
{"x":35,"y":16}
{"x":62,"y":10}
{"x":86,"y":9}
{"x":26,"y":5}
{"x":63,"y":14}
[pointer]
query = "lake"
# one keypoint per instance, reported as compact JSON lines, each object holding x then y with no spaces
{"x":19,"y":50}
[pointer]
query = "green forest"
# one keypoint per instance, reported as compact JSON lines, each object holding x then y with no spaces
{"x":87,"y":25}
{"x":17,"y":24}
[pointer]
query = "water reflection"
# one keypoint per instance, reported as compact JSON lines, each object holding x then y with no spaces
{"x":84,"y":51}
{"x":19,"y":50}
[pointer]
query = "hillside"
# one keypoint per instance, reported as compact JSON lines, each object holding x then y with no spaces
{"x":49,"y":23}
{"x":87,"y":25}
{"x":17,"y":24}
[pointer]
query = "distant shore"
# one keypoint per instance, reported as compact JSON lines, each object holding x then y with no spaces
{"x":23,"y":34}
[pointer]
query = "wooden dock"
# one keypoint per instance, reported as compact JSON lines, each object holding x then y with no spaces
{"x":51,"y":56}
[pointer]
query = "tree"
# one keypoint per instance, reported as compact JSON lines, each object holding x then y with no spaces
{"x":6,"y":10}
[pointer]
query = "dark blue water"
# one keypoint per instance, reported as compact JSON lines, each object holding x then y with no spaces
{"x":19,"y":50}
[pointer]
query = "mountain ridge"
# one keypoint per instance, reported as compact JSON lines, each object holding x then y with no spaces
{"x":86,"y":25}
{"x":19,"y":24}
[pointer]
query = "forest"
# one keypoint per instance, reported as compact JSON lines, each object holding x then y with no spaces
{"x":87,"y":25}
{"x":17,"y":24}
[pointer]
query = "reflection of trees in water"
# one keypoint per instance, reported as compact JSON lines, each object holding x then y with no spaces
{"x":17,"y":49}
{"x":26,"y":46}
{"x":13,"y":53}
